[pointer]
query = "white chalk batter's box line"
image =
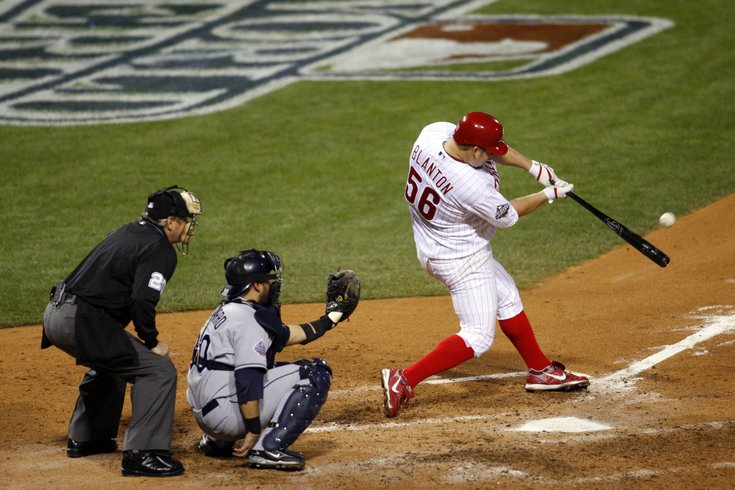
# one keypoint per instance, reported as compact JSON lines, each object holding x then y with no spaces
{"x":430,"y":381}
{"x":618,"y":382}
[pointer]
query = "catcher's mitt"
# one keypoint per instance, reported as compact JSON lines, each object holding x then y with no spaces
{"x":343,"y":293}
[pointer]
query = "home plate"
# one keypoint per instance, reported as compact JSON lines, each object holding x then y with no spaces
{"x":562,"y":424}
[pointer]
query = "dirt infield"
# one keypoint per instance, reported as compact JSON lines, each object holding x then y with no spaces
{"x":660,"y":413}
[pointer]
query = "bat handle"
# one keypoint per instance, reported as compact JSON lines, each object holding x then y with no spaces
{"x":584,"y":204}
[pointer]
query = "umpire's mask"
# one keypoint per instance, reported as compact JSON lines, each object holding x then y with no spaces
{"x":177,"y":202}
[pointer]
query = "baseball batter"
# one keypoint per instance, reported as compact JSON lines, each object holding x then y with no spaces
{"x":453,"y":193}
{"x":247,"y":404}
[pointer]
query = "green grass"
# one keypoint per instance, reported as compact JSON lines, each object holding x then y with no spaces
{"x":315,"y":171}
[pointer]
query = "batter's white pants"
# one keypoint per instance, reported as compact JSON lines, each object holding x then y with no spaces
{"x":482,"y":291}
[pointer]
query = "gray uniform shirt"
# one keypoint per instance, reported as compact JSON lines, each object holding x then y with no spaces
{"x":232,"y":337}
{"x":238,"y":335}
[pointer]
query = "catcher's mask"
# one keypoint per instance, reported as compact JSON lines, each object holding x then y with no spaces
{"x":177,"y":202}
{"x":250,"y":266}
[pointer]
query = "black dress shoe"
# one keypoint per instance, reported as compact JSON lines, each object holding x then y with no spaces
{"x":150,"y":463}
{"x":78,"y":449}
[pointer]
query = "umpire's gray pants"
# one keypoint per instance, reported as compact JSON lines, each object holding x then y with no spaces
{"x":102,"y":391}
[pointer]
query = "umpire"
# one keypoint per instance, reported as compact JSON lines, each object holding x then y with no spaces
{"x":121,"y":280}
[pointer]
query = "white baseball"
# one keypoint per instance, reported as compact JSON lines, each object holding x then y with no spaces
{"x":667,"y":219}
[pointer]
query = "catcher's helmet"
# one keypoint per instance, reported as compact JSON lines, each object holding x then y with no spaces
{"x":483,"y":130}
{"x":250,"y":266}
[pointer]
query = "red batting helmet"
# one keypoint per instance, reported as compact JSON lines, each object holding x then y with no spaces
{"x":483,"y":130}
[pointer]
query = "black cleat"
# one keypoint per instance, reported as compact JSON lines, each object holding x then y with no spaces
{"x":213,"y":448}
{"x":79,"y":449}
{"x":150,"y":463}
{"x":276,"y":460}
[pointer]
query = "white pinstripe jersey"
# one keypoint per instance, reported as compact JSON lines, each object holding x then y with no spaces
{"x":455,"y":208}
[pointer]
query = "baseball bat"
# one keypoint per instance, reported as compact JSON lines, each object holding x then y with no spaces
{"x":637,"y":241}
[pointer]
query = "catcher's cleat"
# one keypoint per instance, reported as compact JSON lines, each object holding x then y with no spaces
{"x":213,"y":448}
{"x":396,"y":391}
{"x":79,"y":449}
{"x":276,"y":460}
{"x":555,"y":377}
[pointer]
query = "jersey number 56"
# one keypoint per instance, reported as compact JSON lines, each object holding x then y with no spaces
{"x":429,"y":199}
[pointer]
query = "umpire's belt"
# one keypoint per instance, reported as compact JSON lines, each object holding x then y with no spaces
{"x":209,"y":407}
{"x":59,"y":294}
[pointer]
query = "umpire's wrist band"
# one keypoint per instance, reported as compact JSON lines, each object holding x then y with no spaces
{"x":317,"y":328}
{"x":252,"y":425}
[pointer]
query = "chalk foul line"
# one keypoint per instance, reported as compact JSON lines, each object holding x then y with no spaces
{"x":714,"y":325}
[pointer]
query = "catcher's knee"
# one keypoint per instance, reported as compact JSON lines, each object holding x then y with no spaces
{"x":302,"y":406}
{"x":318,"y":372}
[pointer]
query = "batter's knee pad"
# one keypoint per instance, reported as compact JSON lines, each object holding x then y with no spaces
{"x":302,"y":406}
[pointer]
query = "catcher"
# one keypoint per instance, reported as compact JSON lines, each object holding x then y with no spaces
{"x":247,"y":404}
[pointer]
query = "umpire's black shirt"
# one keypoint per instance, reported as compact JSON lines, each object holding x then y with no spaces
{"x":125,"y":275}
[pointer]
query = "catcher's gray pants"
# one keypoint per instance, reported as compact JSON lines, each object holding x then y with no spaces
{"x":225,"y":422}
{"x":102,"y":391}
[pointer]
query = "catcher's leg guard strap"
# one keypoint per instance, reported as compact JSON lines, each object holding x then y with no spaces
{"x":303,"y":404}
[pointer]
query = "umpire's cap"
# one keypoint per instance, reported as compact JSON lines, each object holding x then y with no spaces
{"x":172,"y":201}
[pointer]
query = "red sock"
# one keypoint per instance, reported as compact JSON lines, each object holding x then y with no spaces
{"x":450,"y":352}
{"x":518,"y":330}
